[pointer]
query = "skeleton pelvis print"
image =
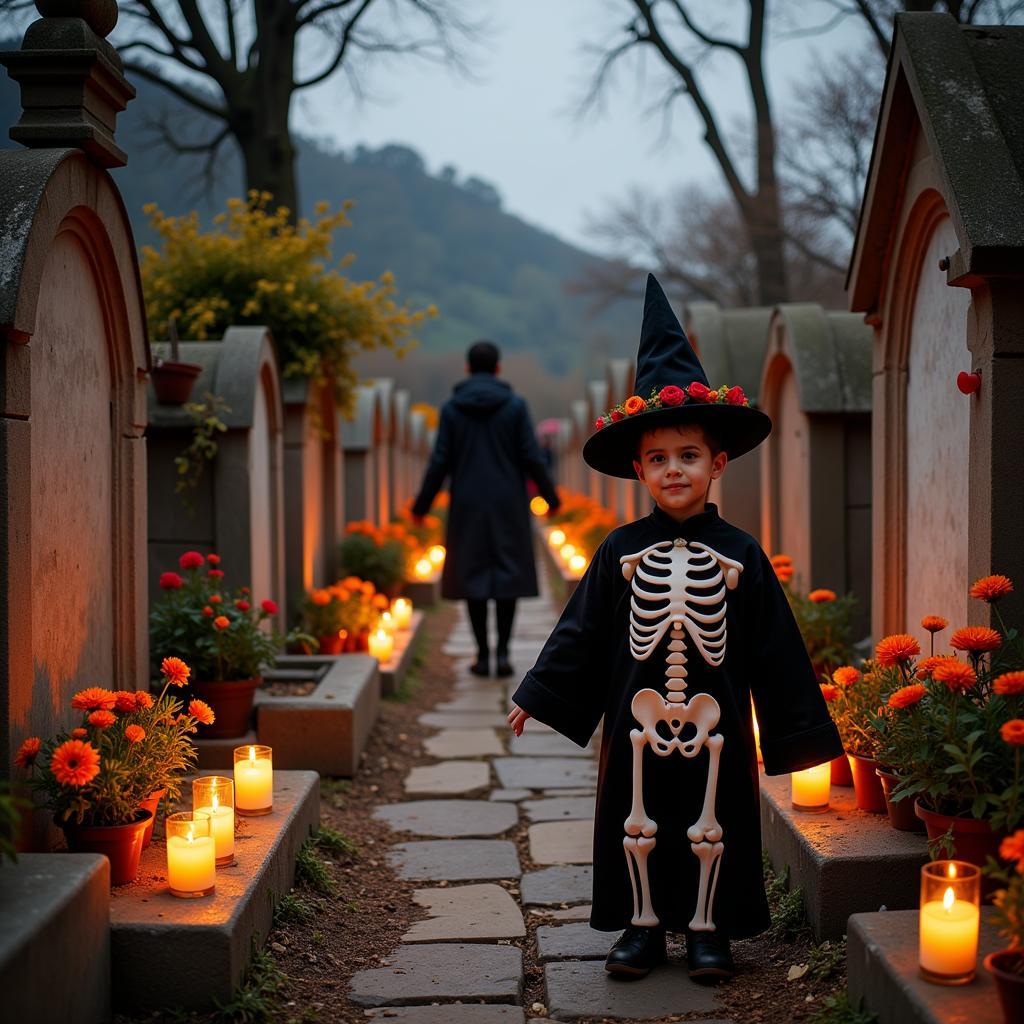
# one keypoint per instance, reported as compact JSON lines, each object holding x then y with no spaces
{"x":678,"y":588}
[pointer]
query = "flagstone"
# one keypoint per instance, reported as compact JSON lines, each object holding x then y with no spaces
{"x":487,"y":701}
{"x":576,"y":989}
{"x":448,"y":778}
{"x":464,"y":719}
{"x":549,"y":744}
{"x":456,"y":860}
{"x":554,"y":886}
{"x":450,"y":1013}
{"x":562,"y":842}
{"x":510,"y":794}
{"x":453,"y":818}
{"x":575,"y":941}
{"x":560,"y":808}
{"x":578,"y":913}
{"x":545,"y":772}
{"x":451,"y":743}
{"x":466,"y":913}
{"x":441,"y":971}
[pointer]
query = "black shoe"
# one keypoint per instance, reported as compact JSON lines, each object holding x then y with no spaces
{"x":636,"y":951}
{"x":708,"y":956}
{"x":503,"y":667}
{"x":481,"y":667}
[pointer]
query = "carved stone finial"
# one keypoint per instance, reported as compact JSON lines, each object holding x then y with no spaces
{"x":72,"y":80}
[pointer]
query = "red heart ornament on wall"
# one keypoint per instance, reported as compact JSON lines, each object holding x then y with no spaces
{"x":968,"y":383}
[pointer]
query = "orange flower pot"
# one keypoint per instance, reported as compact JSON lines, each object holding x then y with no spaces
{"x":331,"y":644}
{"x":973,"y":840}
{"x":173,"y":382}
{"x":867,"y":784}
{"x":120,"y":844}
{"x":150,"y":804}
{"x":232,"y":705}
{"x":1007,"y":968}
{"x":901,"y":813}
{"x":841,"y":774}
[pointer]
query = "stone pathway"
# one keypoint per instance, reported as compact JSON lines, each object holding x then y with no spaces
{"x":478,"y":791}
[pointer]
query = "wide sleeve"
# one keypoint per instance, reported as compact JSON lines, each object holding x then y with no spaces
{"x":439,"y":466}
{"x":532,"y":459}
{"x":567,"y":687}
{"x":796,"y":729}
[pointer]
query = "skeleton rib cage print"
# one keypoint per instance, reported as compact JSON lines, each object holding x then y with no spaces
{"x":678,"y":587}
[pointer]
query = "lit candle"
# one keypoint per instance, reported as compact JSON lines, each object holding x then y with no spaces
{"x":757,"y":733}
{"x":556,"y":538}
{"x":568,"y":550}
{"x":401,"y":612}
{"x":215,"y":795}
{"x":811,"y":787}
{"x":382,"y":645}
{"x":387,"y":623}
{"x":424,"y":569}
{"x":254,"y":780}
{"x":948,"y":933}
{"x":538,"y":506}
{"x":577,"y":564}
{"x":191,"y":855}
{"x":436,"y":554}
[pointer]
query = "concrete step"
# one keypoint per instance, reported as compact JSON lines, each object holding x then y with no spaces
{"x":55,"y":938}
{"x":846,"y":861}
{"x":208,"y":941}
{"x":882,"y":966}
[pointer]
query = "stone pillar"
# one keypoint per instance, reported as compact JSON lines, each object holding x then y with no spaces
{"x":357,"y":444}
{"x":383,"y":451}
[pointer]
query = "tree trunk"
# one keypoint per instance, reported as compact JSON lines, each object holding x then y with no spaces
{"x":270,"y":162}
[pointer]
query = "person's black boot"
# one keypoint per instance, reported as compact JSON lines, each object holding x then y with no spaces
{"x":482,"y":665}
{"x":502,"y":666}
{"x":636,"y":951}
{"x":708,"y":956}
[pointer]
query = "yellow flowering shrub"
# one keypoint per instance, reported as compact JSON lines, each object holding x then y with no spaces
{"x":254,"y":267}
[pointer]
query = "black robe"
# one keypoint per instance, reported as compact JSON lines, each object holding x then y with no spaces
{"x":487,"y":445}
{"x":587,"y":670}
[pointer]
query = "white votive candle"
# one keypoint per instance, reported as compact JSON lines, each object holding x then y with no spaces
{"x":254,"y":780}
{"x":401,"y":612}
{"x":191,"y":855}
{"x":382,"y":645}
{"x":949,"y":921}
{"x":811,"y":787}
{"x":214,"y":795}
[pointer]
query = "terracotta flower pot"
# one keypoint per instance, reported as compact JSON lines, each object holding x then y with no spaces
{"x":901,"y":812}
{"x":150,"y":804}
{"x":173,"y":382}
{"x":330,"y":644}
{"x":120,"y":844}
{"x":1007,"y":968}
{"x":973,"y":840}
{"x":867,"y":785}
{"x":232,"y":705}
{"x":841,"y":774}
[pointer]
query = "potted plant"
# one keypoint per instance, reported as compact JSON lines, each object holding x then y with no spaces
{"x":1007,"y":965}
{"x":322,"y":619}
{"x":361,"y":607}
{"x":95,"y":778}
{"x":227,"y":641}
{"x":172,"y":379}
{"x":857,"y":695}
{"x":373,"y":556}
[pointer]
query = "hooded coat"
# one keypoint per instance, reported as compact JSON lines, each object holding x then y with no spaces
{"x":487,"y":446}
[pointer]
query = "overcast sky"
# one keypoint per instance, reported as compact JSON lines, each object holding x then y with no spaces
{"x":514,"y":123}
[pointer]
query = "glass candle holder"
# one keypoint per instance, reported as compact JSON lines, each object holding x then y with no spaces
{"x":191,"y":855}
{"x":810,"y":788}
{"x":387,"y":623}
{"x":401,"y":612}
{"x":437,"y":554}
{"x":556,"y":538}
{"x":382,"y":645}
{"x":948,"y":922}
{"x":215,"y":795}
{"x":424,"y":569}
{"x":254,"y":780}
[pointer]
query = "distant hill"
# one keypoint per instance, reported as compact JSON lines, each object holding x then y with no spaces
{"x":445,"y":236}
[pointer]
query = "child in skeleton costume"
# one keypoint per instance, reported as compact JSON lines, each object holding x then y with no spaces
{"x":677,"y":622}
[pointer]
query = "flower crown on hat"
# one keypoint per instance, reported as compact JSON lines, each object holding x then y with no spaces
{"x":670,"y":396}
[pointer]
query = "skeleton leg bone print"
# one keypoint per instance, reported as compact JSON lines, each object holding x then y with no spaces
{"x":677,"y":586}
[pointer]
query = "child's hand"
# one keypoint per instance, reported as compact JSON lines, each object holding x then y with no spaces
{"x":517,"y":719}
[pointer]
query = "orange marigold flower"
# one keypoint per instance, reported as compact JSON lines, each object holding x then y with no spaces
{"x":143,"y":701}
{"x":215,"y":599}
{"x":821,"y":596}
{"x":829,"y":692}
{"x":991,"y":588}
{"x":380,"y":601}
{"x":784,"y":573}
{"x":94,"y":698}
{"x":1012,"y":848}
{"x":907,"y":695}
{"x":633,"y":405}
{"x":75,"y":763}
{"x":1013,"y":732}
{"x":934,"y":623}
{"x":778,"y":560}
{"x":320,"y":597}
{"x":175,"y":671}
{"x":125,"y":700}
{"x":352,"y":582}
{"x":102,"y":719}
{"x":955,"y":674}
{"x":201,"y":712}
{"x":208,"y":611}
{"x":222,"y":622}
{"x":79,"y":734}
{"x":926,"y":666}
{"x":1009,"y":684}
{"x":135,"y":734}
{"x":27,"y":752}
{"x":976,"y":639}
{"x":892,"y":650}
{"x":368,"y":588}
{"x":845,"y":675}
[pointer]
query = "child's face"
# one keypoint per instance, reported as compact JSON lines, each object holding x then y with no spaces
{"x":677,"y":466}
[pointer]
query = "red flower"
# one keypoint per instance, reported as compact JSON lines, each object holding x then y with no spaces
{"x":892,"y":650}
{"x":135,"y":734}
{"x":1013,"y":732}
{"x":821,"y":596}
{"x":207,"y":611}
{"x":191,"y":560}
{"x":907,"y":695}
{"x":27,"y":752}
{"x":1009,"y":684}
{"x":243,"y":590}
{"x":1012,"y":848}
{"x":79,"y":734}
{"x":957,"y":676}
{"x":222,"y":622}
{"x":991,"y":588}
{"x":102,"y":719}
{"x":269,"y":606}
{"x":242,"y":606}
{"x":215,"y":599}
{"x":216,"y":574}
{"x":671,"y":395}
{"x":845,"y":675}
{"x":213,"y":559}
{"x":93,"y":698}
{"x":735,"y":396}
{"x":616,"y":415}
{"x":829,"y":692}
{"x":170,"y":581}
{"x":701,"y":392}
{"x":599,"y":423}
{"x":934,"y":623}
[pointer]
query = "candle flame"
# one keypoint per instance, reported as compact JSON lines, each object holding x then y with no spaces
{"x":948,"y":899}
{"x":568,"y":550}
{"x":436,"y":554}
{"x":952,"y":870}
{"x":423,"y":568}
{"x":381,"y":635}
{"x":252,"y":756}
{"x":578,"y":563}
{"x":401,"y":603}
{"x":556,"y":538}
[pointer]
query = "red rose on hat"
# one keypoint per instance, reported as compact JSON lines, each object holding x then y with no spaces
{"x":735,"y":396}
{"x":599,"y":423}
{"x":671,"y":395}
{"x":616,"y":415}
{"x":701,"y":392}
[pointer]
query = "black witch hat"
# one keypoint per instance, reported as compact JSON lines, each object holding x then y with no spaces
{"x":671,"y":387}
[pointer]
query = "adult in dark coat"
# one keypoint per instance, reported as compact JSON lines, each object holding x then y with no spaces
{"x":487,"y":446}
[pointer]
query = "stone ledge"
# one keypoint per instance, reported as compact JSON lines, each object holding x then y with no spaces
{"x":393,"y":671}
{"x":846,"y":861}
{"x":423,"y":593}
{"x":215,"y":754}
{"x":326,"y":730}
{"x":55,"y":938}
{"x":883,"y":974}
{"x":168,"y":952}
